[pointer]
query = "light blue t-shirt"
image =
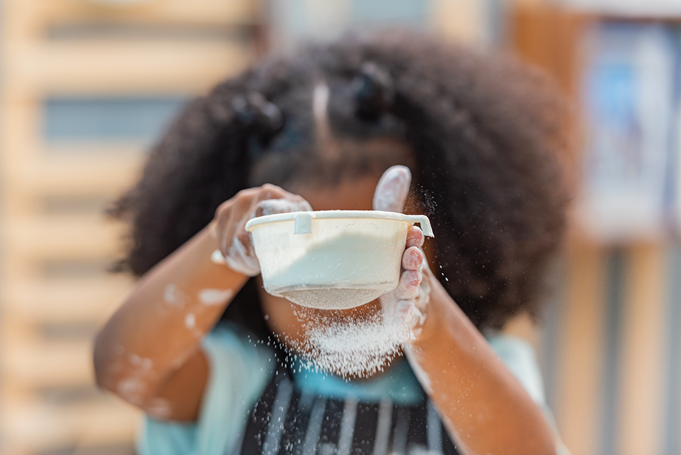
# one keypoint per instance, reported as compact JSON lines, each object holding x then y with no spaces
{"x":240,"y":370}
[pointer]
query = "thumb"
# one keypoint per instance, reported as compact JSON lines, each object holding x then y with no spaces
{"x":391,"y":191}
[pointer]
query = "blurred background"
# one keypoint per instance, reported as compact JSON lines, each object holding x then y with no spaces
{"x":86,"y":86}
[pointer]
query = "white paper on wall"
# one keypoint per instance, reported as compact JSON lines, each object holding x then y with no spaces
{"x":628,"y":91}
{"x":649,"y":8}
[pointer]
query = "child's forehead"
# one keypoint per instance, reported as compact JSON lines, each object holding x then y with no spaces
{"x":315,"y":166}
{"x":349,"y":194}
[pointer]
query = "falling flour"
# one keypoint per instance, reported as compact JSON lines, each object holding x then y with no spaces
{"x":356,"y":346}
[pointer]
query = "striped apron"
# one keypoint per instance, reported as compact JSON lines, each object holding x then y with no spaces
{"x":287,"y":422}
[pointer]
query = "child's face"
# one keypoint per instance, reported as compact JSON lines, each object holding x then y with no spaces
{"x":288,"y":319}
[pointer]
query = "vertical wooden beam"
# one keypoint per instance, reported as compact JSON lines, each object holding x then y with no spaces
{"x":642,"y":351}
{"x":33,"y":308}
{"x":580,"y":350}
{"x":549,"y":38}
{"x":461,"y":20}
{"x":672,"y":417}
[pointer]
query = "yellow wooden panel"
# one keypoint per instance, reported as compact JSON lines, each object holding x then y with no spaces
{"x":35,"y":67}
{"x":102,"y":430}
{"x":107,"y":170}
{"x":30,"y":18}
{"x":64,"y":301}
{"x":642,"y":351}
{"x":154,"y":11}
{"x":94,"y":170}
{"x":122,"y":67}
{"x":19,"y":116}
{"x":531,"y":2}
{"x":581,"y":351}
{"x":23,"y":23}
{"x":60,"y":238}
{"x":36,"y":426}
{"x":522,"y":326}
{"x":462,"y":20}
{"x":33,"y":365}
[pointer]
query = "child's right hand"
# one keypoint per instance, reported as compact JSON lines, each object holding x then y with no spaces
{"x":236,"y":249}
{"x":411,"y":296}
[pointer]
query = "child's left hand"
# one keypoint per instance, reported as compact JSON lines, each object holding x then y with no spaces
{"x":453,"y":362}
{"x":411,"y":296}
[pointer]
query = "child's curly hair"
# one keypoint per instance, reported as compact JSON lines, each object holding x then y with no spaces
{"x":484,"y":132}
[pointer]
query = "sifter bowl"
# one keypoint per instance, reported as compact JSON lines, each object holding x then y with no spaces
{"x":334,"y":259}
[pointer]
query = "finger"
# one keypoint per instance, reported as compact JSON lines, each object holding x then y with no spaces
{"x":218,"y":231}
{"x":267,"y":198}
{"x":415,"y":237}
{"x":404,"y":307}
{"x":273,"y":206}
{"x":409,"y":313}
{"x":424,"y":296}
{"x":242,"y":249}
{"x":240,"y":255}
{"x":412,"y":258}
{"x":424,"y":289}
{"x":244,"y":237}
{"x":231,"y":223}
{"x":235,"y":244}
{"x":409,"y":284}
{"x":269,"y":191}
{"x":392,"y":189}
{"x":241,"y":259}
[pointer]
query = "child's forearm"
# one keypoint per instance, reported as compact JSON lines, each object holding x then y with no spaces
{"x":483,"y":405}
{"x":163,"y":320}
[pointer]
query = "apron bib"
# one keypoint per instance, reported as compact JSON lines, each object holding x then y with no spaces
{"x":285,"y":421}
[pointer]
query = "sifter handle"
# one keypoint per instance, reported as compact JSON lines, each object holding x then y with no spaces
{"x":423,"y":221}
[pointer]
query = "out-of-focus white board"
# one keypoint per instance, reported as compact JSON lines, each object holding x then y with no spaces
{"x":628,"y":98}
{"x":649,"y":8}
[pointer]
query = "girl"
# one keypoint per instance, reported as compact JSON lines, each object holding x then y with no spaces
{"x":195,"y":344}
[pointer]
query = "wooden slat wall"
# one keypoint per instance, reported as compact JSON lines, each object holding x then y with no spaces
{"x":611,"y":389}
{"x":48,"y":401}
{"x":581,"y":351}
{"x":461,"y":20}
{"x":643,"y":350}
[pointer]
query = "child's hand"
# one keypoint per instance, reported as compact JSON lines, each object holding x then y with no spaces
{"x":410,"y":298}
{"x":236,"y":249}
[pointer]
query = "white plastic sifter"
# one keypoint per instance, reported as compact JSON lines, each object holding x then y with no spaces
{"x":332,"y":259}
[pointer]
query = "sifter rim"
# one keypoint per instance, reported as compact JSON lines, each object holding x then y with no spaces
{"x":341,"y":214}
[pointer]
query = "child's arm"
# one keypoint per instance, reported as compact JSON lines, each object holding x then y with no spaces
{"x":483,"y":405}
{"x":148,"y":353}
{"x":485,"y":408}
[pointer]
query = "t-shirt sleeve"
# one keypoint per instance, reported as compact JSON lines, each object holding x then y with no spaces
{"x":520,"y":358}
{"x":239,"y":371}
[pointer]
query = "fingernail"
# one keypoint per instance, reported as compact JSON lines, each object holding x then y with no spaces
{"x":415,"y":237}
{"x":413,"y":257}
{"x":409,"y":283}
